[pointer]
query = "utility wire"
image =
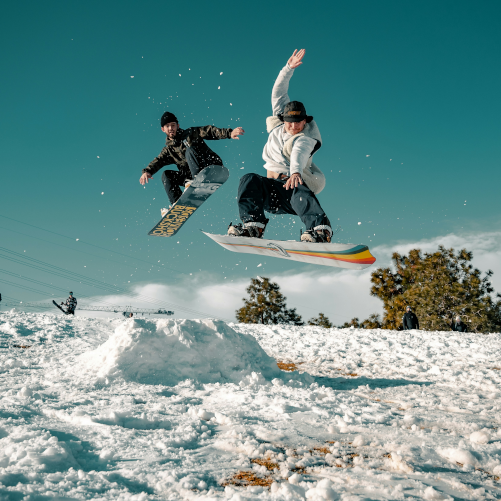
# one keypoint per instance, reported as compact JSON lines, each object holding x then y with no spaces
{"x":135,"y":267}
{"x":163,"y":268}
{"x":38,"y":282}
{"x":84,"y":252}
{"x":61,"y":272}
{"x":87,"y":243}
{"x":12,"y":301}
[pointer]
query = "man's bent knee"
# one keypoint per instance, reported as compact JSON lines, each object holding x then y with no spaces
{"x":249,"y":177}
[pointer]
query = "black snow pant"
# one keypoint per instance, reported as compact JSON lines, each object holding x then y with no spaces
{"x":257,"y":194}
{"x":172,"y":179}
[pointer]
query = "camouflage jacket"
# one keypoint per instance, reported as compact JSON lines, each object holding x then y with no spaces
{"x":175,"y":149}
{"x":71,"y":303}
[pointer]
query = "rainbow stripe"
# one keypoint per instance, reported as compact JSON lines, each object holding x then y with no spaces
{"x":359,"y":254}
{"x":339,"y":255}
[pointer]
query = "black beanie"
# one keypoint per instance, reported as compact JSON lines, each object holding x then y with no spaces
{"x":167,"y":118}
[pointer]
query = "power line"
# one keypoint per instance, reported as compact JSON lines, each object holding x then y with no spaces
{"x":111,"y":308}
{"x":61,"y":272}
{"x":81,"y":251}
{"x":25,"y":288}
{"x":87,"y":243}
{"x":162,"y":268}
{"x":43,"y":284}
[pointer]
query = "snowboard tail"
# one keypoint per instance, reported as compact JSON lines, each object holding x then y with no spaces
{"x":206,"y":182}
{"x":350,"y":256}
{"x":59,"y":306}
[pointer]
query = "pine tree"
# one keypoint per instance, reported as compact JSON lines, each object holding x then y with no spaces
{"x":321,"y":321}
{"x":354,"y":322}
{"x":438,"y":286}
{"x":373,"y":322}
{"x":266,"y":305}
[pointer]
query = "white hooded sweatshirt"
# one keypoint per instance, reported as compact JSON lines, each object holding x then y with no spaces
{"x":287,"y":154}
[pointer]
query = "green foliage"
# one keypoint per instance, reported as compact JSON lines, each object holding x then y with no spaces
{"x":354,"y":322}
{"x":321,"y":321}
{"x":373,"y":322}
{"x":266,"y":305}
{"x":438,"y":286}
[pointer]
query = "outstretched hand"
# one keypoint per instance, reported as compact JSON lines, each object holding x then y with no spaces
{"x":294,"y":181}
{"x":295,"y":60}
{"x":145,"y":177}
{"x":237,"y":132}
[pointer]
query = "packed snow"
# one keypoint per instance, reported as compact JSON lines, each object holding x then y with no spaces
{"x":197,"y":409}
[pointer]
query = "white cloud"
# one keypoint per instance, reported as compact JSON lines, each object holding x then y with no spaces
{"x":340,"y":294}
{"x":486,"y":248}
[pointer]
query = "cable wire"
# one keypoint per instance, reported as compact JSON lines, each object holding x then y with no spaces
{"x":162,"y":268}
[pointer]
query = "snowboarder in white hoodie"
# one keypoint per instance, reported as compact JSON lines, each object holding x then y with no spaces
{"x":292,"y":180}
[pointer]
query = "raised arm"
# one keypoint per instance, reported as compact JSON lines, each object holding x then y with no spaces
{"x":279,"y":96}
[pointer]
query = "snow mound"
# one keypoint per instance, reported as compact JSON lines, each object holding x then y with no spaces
{"x":461,"y":456}
{"x":169,"y":351}
{"x":480,"y":437}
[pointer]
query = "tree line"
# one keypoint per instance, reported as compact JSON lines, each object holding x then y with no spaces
{"x":439,"y":286}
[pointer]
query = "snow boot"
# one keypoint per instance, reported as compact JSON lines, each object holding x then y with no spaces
{"x":164,"y":211}
{"x":317,"y":236}
{"x":247,"y":230}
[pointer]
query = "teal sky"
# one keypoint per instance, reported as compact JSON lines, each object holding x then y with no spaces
{"x":406,"y":95}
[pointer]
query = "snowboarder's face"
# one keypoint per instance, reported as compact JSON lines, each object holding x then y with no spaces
{"x":171,"y":129}
{"x":294,"y":128}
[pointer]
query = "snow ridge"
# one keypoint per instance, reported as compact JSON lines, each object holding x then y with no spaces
{"x":140,"y":410}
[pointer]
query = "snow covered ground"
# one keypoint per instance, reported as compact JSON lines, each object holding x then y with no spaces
{"x":173,"y":409}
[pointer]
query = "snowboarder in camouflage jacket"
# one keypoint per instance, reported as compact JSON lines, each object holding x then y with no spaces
{"x":186,"y":149}
{"x":71,"y":304}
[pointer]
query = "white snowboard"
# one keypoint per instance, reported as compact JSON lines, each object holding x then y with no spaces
{"x":354,"y":257}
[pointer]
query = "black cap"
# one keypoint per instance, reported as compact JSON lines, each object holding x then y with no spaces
{"x":295,"y":112}
{"x":167,"y":118}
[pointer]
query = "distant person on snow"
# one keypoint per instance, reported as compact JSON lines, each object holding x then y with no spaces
{"x":409,"y":320}
{"x":71,"y":304}
{"x":292,"y":180}
{"x":458,"y":325}
{"x":186,"y":149}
